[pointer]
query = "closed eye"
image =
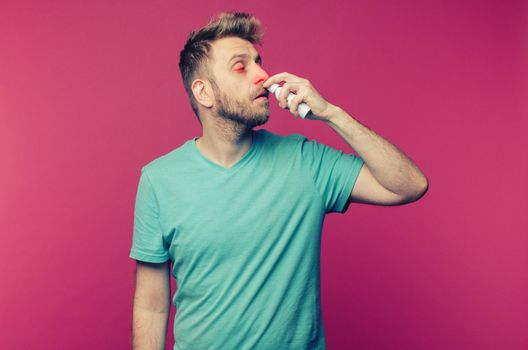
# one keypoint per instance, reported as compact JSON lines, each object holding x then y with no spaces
{"x":239,"y":69}
{"x":241,"y":66}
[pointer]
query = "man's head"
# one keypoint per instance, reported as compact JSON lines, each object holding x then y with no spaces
{"x":221,"y":70}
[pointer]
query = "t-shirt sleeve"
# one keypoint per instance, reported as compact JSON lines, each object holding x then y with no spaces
{"x":334,"y":173}
{"x":147,"y":241}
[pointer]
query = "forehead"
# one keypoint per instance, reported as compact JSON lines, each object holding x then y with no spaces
{"x":225,"y":48}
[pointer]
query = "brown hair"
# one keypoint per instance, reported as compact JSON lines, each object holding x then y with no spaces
{"x":194,"y":57}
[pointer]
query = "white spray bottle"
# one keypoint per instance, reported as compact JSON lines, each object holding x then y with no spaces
{"x":302,"y":108}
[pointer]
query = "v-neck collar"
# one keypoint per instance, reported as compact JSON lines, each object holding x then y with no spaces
{"x":236,"y":166}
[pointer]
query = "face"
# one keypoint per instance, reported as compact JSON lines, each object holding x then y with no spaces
{"x":237,"y":81}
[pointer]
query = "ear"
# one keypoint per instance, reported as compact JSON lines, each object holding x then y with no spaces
{"x":202,"y":92}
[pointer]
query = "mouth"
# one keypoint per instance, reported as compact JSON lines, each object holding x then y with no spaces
{"x":263,"y":95}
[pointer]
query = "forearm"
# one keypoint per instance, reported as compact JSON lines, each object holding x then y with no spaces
{"x":390,"y":166}
{"x":149,"y":328}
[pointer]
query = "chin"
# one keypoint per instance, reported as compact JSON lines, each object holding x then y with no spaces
{"x":261,"y":120}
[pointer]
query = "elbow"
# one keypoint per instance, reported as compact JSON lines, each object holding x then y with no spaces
{"x":415,"y":191}
{"x":420,"y":191}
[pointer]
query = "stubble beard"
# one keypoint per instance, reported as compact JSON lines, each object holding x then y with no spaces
{"x":246,"y":115}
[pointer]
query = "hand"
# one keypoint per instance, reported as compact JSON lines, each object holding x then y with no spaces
{"x":321,"y":109}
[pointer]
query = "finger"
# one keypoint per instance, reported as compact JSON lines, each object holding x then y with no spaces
{"x":285,"y":91}
{"x":280,"y":77}
{"x":296,"y":101}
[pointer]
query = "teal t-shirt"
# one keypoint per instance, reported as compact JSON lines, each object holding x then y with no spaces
{"x":244,"y":241}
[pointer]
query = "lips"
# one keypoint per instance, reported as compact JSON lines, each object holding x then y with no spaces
{"x":264,"y":94}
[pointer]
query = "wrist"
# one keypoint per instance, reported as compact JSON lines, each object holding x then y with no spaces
{"x":335,"y":115}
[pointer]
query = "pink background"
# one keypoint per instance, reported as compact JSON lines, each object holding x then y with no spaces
{"x":90,"y":92}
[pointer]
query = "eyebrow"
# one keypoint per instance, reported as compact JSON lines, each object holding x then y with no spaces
{"x":258,"y":59}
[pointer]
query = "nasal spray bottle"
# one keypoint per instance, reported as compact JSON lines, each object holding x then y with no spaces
{"x":302,"y":108}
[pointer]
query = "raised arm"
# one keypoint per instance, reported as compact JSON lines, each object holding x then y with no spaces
{"x":151,"y":306}
{"x":388,"y":176}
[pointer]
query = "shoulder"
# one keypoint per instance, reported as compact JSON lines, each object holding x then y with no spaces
{"x":168,"y":161}
{"x":275,"y":139}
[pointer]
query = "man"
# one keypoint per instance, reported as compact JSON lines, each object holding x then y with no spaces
{"x":239,"y":212}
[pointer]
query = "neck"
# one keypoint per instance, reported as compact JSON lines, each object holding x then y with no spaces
{"x":225,"y":144}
